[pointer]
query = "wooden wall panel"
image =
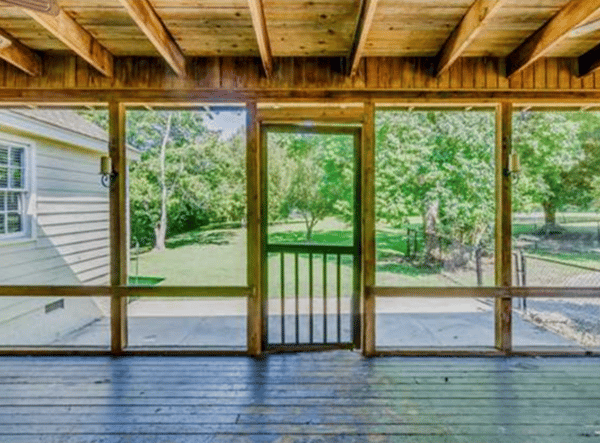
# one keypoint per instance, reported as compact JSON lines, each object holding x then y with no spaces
{"x":294,"y":75}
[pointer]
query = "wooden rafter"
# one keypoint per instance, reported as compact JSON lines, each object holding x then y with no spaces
{"x":259,"y":22}
{"x":80,"y":41}
{"x":365,"y":20}
{"x":144,"y":15}
{"x":551,"y":34}
{"x":19,"y":55}
{"x":471,"y":25}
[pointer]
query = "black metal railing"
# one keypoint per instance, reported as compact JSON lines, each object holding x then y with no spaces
{"x":315,"y":255}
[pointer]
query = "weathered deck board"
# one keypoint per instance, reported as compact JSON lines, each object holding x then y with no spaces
{"x":323,"y":397}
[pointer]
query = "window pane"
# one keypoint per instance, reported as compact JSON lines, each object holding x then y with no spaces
{"x":556,"y":225}
{"x":13,"y":200}
{"x":14,"y":223}
{"x":55,"y":321}
{"x":17,"y":157}
{"x":3,"y":177}
{"x":3,"y":155}
{"x":187,"y":322}
{"x":187,"y":191}
{"x":16,"y":178}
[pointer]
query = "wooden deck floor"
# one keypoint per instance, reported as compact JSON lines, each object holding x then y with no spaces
{"x":312,"y":397}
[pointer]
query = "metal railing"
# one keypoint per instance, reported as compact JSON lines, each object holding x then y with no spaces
{"x":312,"y":253}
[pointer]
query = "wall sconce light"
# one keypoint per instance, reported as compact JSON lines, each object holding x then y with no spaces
{"x":107,"y":175}
{"x":514,"y":166}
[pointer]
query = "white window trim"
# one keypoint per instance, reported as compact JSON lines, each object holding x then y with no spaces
{"x":29,"y":231}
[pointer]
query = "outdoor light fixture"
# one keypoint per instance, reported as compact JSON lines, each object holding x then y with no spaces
{"x":514,"y":166}
{"x":107,"y":175}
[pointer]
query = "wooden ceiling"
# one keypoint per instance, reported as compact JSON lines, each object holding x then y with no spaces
{"x":522,"y":31}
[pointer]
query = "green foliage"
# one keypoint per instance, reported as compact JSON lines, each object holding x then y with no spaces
{"x":205,"y":175}
{"x":560,"y":158}
{"x":437,"y":158}
{"x":310,"y":175}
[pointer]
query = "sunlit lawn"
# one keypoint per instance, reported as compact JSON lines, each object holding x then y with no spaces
{"x":218,"y":258}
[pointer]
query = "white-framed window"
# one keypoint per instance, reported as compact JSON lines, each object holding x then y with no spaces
{"x":13,"y":190}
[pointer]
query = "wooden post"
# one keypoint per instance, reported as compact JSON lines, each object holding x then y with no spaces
{"x":368,"y":230}
{"x":118,"y":226}
{"x":254,"y":245}
{"x":503,"y":306}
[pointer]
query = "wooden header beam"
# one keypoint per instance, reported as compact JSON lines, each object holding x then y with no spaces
{"x":257,"y":11}
{"x":76,"y":38}
{"x":19,"y":55}
{"x":144,"y":15}
{"x":365,"y":20}
{"x":551,"y":34}
{"x":471,"y":25}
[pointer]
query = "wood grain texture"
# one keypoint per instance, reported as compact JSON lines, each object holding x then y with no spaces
{"x":80,"y":41}
{"x":335,"y":397}
{"x":145,"y":17}
{"x":503,"y":245}
{"x":368,"y":230}
{"x":292,"y":78}
{"x":259,"y":22}
{"x":551,"y":34}
{"x":477,"y":17}
{"x":363,"y":27}
{"x":119,"y":241}
{"x":19,"y":55}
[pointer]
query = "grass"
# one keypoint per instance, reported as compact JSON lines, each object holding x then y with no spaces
{"x":218,"y":257}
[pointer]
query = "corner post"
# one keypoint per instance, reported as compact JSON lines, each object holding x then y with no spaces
{"x":254,"y":241}
{"x":118,"y":226}
{"x":368,"y":230}
{"x":503,"y":306}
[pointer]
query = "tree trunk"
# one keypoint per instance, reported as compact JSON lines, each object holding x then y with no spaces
{"x":550,"y":213}
{"x":432,"y":240}
{"x":160,"y":230}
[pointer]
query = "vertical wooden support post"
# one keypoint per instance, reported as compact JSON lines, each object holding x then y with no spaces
{"x":368,"y":229}
{"x":255,"y":256}
{"x":118,"y":226}
{"x":503,"y":306}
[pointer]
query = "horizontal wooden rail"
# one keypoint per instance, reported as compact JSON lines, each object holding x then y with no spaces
{"x":310,"y":248}
{"x":490,"y":292}
{"x":55,"y":291}
{"x":126,"y":291}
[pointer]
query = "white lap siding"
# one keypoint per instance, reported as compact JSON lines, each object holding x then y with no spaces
{"x":70,"y":246}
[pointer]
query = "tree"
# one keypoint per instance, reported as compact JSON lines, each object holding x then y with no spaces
{"x":553,"y":160}
{"x":439,"y":166}
{"x":310,"y":174}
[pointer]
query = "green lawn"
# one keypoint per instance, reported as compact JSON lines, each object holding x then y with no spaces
{"x":218,"y":258}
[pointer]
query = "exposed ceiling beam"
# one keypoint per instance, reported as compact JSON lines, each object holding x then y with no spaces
{"x":558,"y":28}
{"x":471,"y":25}
{"x":144,"y":15}
{"x":365,"y":20}
{"x":257,"y":11}
{"x":19,"y":55}
{"x":76,"y":38}
{"x":589,"y":62}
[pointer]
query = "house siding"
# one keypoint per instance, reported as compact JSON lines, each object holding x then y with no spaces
{"x":70,"y":246}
